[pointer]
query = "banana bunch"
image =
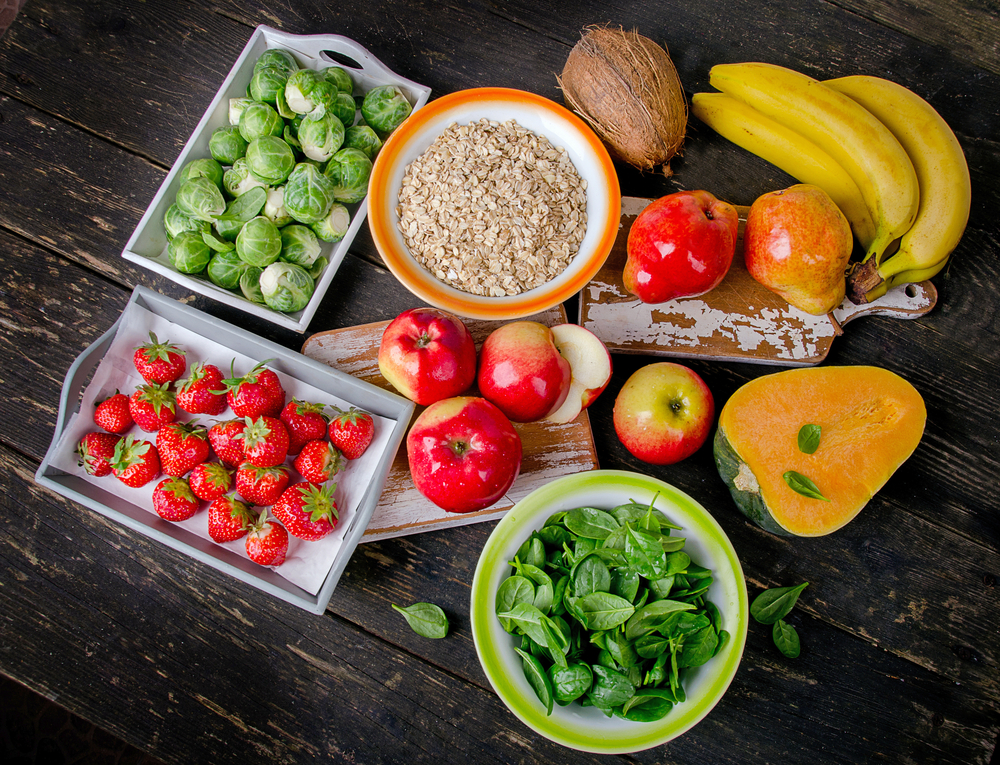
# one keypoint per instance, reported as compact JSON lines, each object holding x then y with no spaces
{"x":882,"y":153}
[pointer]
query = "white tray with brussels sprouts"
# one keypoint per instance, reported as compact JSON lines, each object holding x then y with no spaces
{"x":271,"y":189}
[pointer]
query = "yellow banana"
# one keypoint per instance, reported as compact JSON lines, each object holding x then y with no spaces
{"x":914,"y":276}
{"x":942,"y":173}
{"x":788,"y":150}
{"x":850,"y":134}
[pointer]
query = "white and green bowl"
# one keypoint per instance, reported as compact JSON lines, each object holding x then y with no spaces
{"x":587,"y":728}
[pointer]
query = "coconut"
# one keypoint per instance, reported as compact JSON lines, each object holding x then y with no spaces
{"x":626,"y":87}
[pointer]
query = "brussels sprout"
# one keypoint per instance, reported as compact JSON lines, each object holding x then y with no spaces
{"x":250,"y":284}
{"x":308,"y":193}
{"x":306,"y":91}
{"x":286,"y":287}
{"x":270,"y":159}
{"x":299,"y":245}
{"x":349,"y":170}
{"x":238,"y":180}
{"x":225,"y":270}
{"x":259,"y":242}
{"x":176,"y":221}
{"x":276,"y":58}
{"x":292,"y":137}
{"x":316,"y":269}
{"x":364,"y":138}
{"x":201,"y":199}
{"x":260,"y":119}
{"x":344,"y":108}
{"x":334,"y":226}
{"x":206,"y":167}
{"x":320,"y":137}
{"x":274,"y":207}
{"x":340,"y":78}
{"x":266,"y":83}
{"x":384,"y":109}
{"x":227,"y":145}
{"x":188,"y":252}
{"x":236,"y":107}
{"x":246,"y":206}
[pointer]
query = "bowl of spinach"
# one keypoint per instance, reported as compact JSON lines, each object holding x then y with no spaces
{"x":609,"y":611}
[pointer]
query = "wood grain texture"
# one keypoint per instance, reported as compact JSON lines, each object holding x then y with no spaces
{"x":549,"y":450}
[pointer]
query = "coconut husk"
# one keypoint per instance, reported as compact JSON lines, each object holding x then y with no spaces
{"x":626,"y":87}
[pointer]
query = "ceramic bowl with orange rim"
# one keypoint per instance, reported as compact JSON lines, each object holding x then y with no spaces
{"x":541,"y":116}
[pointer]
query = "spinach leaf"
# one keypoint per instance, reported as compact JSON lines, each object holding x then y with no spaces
{"x":590,"y":523}
{"x":537,"y":679}
{"x":647,"y":705}
{"x":570,"y":682}
{"x":698,"y":647}
{"x":591,"y":575}
{"x":651,"y":616}
{"x":625,"y":584}
{"x":802,"y":485}
{"x":775,"y":603}
{"x":809,"y":438}
{"x":786,"y":638}
{"x":604,"y":611}
{"x":644,"y":554}
{"x":528,"y":619}
{"x":426,"y":619}
{"x":513,"y":590}
{"x":610,"y":689}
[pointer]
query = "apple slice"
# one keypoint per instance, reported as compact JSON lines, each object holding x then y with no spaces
{"x":590,"y":369}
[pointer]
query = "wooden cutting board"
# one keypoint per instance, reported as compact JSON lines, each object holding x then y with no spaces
{"x":549,"y":450}
{"x":737,"y":321}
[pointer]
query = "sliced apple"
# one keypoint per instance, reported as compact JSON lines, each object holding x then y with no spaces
{"x":590,"y":369}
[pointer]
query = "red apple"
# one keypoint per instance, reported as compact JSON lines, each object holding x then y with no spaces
{"x":681,"y":245}
{"x":590,"y":369}
{"x":522,"y":371}
{"x":797,"y":243}
{"x":664,"y":413}
{"x":427,"y":355}
{"x":464,"y":454}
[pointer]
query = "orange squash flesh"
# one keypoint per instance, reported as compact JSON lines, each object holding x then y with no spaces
{"x":871,"y":421}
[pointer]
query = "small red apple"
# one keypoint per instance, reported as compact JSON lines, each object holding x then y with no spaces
{"x":427,"y":355}
{"x":664,"y":413}
{"x":522,"y":371}
{"x":797,"y":243}
{"x":590,"y":369}
{"x":464,"y":454}
{"x":681,"y":245}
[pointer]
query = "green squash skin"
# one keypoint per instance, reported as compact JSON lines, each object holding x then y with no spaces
{"x":750,"y":503}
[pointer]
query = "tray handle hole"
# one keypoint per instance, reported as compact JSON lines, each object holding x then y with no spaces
{"x":339,"y":58}
{"x":910,"y":290}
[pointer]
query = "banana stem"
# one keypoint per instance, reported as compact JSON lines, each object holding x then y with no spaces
{"x":863,"y":279}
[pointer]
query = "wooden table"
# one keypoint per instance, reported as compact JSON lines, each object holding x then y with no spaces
{"x":901,"y":623}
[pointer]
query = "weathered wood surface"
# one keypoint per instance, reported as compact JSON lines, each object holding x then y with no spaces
{"x":901,"y":620}
{"x":550,"y":450}
{"x":738,"y":320}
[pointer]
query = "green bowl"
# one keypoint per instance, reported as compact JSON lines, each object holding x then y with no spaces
{"x":587,"y":728}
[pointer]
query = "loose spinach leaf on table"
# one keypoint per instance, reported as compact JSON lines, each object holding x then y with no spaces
{"x":786,"y":638}
{"x":775,"y":603}
{"x":426,"y":619}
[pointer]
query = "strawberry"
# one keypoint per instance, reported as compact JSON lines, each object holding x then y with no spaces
{"x":261,"y":486}
{"x":352,"y":431}
{"x":113,"y":414}
{"x":257,"y":393}
{"x":159,"y":362}
{"x":210,"y":480}
{"x":227,"y":441}
{"x":265,"y":441}
{"x":307,"y":510}
{"x":228,"y":519}
{"x":267,"y":542}
{"x":173,"y":499}
{"x":305,"y":422}
{"x":152,"y":406}
{"x":202,"y":392}
{"x":96,"y":451}
{"x":319,"y":461}
{"x":182,"y":445}
{"x":135,"y":462}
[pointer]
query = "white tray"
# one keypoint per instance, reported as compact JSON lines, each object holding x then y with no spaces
{"x":317,"y":566}
{"x":148,"y":243}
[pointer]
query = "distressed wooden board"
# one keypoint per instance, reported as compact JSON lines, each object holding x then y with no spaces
{"x":739,"y":320}
{"x":550,"y":450}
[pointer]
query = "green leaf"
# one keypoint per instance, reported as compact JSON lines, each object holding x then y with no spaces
{"x":809,"y":438}
{"x":590,"y":523}
{"x":786,"y":638}
{"x":775,"y":603}
{"x":513,"y":590}
{"x":537,"y":679}
{"x":652,"y":615}
{"x":645,"y":554}
{"x":611,"y":688}
{"x":698,"y":647}
{"x":604,"y":611}
{"x":591,"y":575}
{"x":647,"y":705}
{"x":802,"y":485}
{"x":426,"y":619}
{"x":528,"y":619}
{"x":570,"y":682}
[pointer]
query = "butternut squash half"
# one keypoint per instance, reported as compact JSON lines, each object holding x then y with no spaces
{"x":869,"y":420}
